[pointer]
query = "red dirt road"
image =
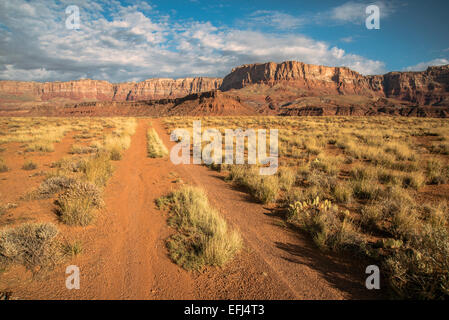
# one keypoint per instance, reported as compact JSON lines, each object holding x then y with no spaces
{"x":125,"y":255}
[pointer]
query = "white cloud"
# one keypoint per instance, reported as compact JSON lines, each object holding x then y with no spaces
{"x":119,"y":43}
{"x":274,"y":19}
{"x":354,"y":12}
{"x":423,"y":65}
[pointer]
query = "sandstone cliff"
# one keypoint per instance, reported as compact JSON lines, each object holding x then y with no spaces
{"x":423,"y":88}
{"x":86,"y":89}
{"x":287,"y":88}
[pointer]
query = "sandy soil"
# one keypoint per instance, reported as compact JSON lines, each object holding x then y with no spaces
{"x":125,"y":255}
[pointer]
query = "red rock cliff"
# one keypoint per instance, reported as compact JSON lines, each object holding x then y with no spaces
{"x":425,"y":88}
{"x":105,"y":91}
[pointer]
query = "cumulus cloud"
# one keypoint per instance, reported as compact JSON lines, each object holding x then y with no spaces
{"x":130,"y":43}
{"x":424,"y":65}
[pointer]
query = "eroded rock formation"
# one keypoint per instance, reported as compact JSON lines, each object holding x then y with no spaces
{"x":423,"y":88}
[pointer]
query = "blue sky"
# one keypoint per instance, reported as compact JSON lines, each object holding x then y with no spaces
{"x":135,"y":40}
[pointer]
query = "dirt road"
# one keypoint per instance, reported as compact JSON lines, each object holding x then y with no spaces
{"x":125,"y":256}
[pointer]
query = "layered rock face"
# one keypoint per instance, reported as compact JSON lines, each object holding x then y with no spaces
{"x":307,"y":76}
{"x":430,"y":87}
{"x":286,"y":88}
{"x":105,"y":91}
{"x":424,"y":88}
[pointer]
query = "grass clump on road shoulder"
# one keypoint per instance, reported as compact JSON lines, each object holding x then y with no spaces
{"x":263,"y":188}
{"x":31,"y":244}
{"x":97,"y":169}
{"x":77,"y":202}
{"x":156,"y":148}
{"x":203,"y":237}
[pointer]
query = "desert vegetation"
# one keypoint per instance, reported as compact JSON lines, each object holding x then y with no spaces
{"x":32,"y":245}
{"x":73,"y":184}
{"x":155,"y":146}
{"x":373,"y":186}
{"x":203,"y":237}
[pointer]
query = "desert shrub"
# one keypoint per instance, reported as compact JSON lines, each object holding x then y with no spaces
{"x":287,"y":178}
{"x":436,"y":215}
{"x":329,"y":227}
{"x":52,"y":185}
{"x":327,"y":164}
{"x":80,"y":149}
{"x":413,"y":180}
{"x":44,"y":146}
{"x":203,"y":237}
{"x":29,"y":165}
{"x":366,"y":190}
{"x":404,"y":166}
{"x":374,"y":154}
{"x":385,"y":176}
{"x":436,"y":173}
{"x":363,"y":172}
{"x":263,"y":188}
{"x":155,"y":146}
{"x":370,"y":216}
{"x":313,"y":146}
{"x":67,"y":164}
{"x":321,"y":179}
{"x":117,"y":142}
{"x":421,"y":269}
{"x":76,"y":203}
{"x":400,"y":208}
{"x":97,"y":169}
{"x":293,"y":195}
{"x":342,"y":193}
{"x":400,"y":150}
{"x":32,"y":245}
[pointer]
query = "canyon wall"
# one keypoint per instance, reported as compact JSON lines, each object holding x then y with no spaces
{"x":428,"y":87}
{"x":86,"y":89}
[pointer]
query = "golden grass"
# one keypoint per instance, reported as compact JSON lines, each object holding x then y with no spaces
{"x":155,"y":146}
{"x":203,"y":237}
{"x":374,"y":166}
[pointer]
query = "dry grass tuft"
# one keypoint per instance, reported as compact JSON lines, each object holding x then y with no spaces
{"x":77,"y":202}
{"x":155,"y":146}
{"x":203,"y":237}
{"x":263,"y":188}
{"x":29,"y":165}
